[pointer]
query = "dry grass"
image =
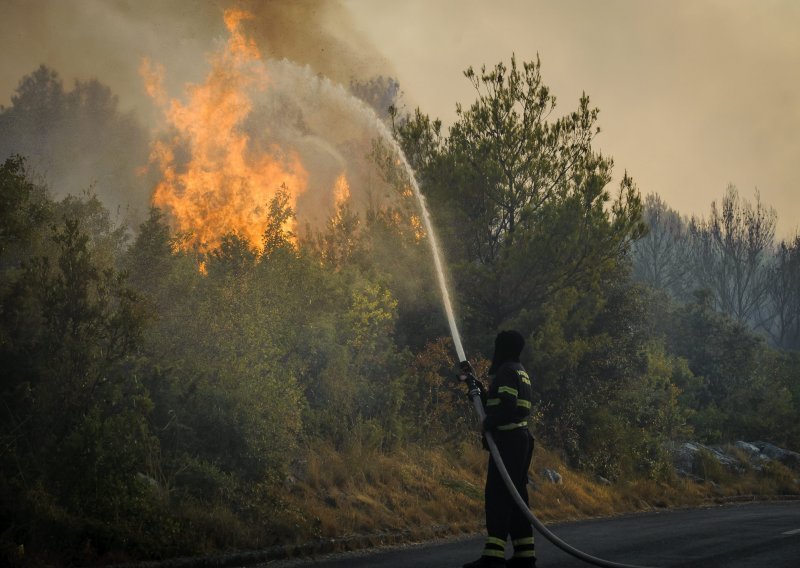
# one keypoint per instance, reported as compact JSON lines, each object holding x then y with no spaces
{"x":412,"y":491}
{"x":420,"y":493}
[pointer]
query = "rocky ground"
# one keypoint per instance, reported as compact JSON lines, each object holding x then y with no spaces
{"x":690,"y":458}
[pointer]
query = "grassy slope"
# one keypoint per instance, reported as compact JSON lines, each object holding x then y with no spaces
{"x":419,"y":493}
{"x":358,"y":498}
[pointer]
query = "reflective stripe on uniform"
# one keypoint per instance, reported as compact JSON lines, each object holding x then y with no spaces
{"x":495,"y":547}
{"x":524,"y":377}
{"x":492,"y":402}
{"x":509,"y":390}
{"x":495,"y":541}
{"x":522,"y":541}
{"x":524,"y":403}
{"x":525,"y":554}
{"x":513,"y":425}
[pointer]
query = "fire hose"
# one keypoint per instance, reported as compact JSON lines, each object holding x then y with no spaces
{"x":475,"y":396}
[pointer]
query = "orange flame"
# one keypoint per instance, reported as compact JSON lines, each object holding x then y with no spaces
{"x":341,"y":191}
{"x":221,"y":183}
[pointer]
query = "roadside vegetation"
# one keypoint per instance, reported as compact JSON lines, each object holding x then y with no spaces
{"x":158,"y":400}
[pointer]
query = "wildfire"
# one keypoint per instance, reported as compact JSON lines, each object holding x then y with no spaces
{"x":214,"y":178}
{"x":341,"y":191}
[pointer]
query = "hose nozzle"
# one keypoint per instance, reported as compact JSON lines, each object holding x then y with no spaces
{"x":465,"y":370}
{"x":467,"y":374}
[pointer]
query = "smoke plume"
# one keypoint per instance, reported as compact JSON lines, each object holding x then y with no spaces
{"x":310,"y":52}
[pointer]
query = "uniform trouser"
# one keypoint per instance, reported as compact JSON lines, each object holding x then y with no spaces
{"x":503,"y":517}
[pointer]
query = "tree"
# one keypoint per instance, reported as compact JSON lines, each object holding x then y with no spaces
{"x":433,"y":405}
{"x":783,"y":294}
{"x":234,"y":256}
{"x":381,"y":93}
{"x":341,"y":241}
{"x":660,"y":255}
{"x":276,"y":235}
{"x":74,"y":419}
{"x":78,"y":138}
{"x":520,"y":198}
{"x":735,"y":368}
{"x":609,"y":391}
{"x":24,"y":210}
{"x":729,"y":255}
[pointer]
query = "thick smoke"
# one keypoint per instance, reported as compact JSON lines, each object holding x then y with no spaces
{"x":310,"y":49}
{"x":320,"y":34}
{"x":331,"y":129}
{"x":76,"y":140}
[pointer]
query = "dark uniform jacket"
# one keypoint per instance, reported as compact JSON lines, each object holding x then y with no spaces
{"x":508,"y":402}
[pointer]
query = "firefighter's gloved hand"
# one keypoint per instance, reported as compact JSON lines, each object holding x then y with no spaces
{"x":481,"y":392}
{"x":465,"y":371}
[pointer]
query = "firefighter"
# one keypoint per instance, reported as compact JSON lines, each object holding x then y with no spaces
{"x":507,"y":405}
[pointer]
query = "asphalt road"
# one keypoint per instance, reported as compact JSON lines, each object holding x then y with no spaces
{"x":733,"y":536}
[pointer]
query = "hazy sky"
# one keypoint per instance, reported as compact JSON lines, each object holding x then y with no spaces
{"x":693,"y":94}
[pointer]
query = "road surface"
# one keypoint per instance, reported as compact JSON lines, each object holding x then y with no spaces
{"x":732,"y":536}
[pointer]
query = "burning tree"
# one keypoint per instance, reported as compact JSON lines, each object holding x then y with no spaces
{"x":215,"y":178}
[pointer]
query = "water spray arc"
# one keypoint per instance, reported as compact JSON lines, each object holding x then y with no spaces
{"x":315,"y":86}
{"x":437,"y":257}
{"x":474,"y":392}
{"x":322,"y":85}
